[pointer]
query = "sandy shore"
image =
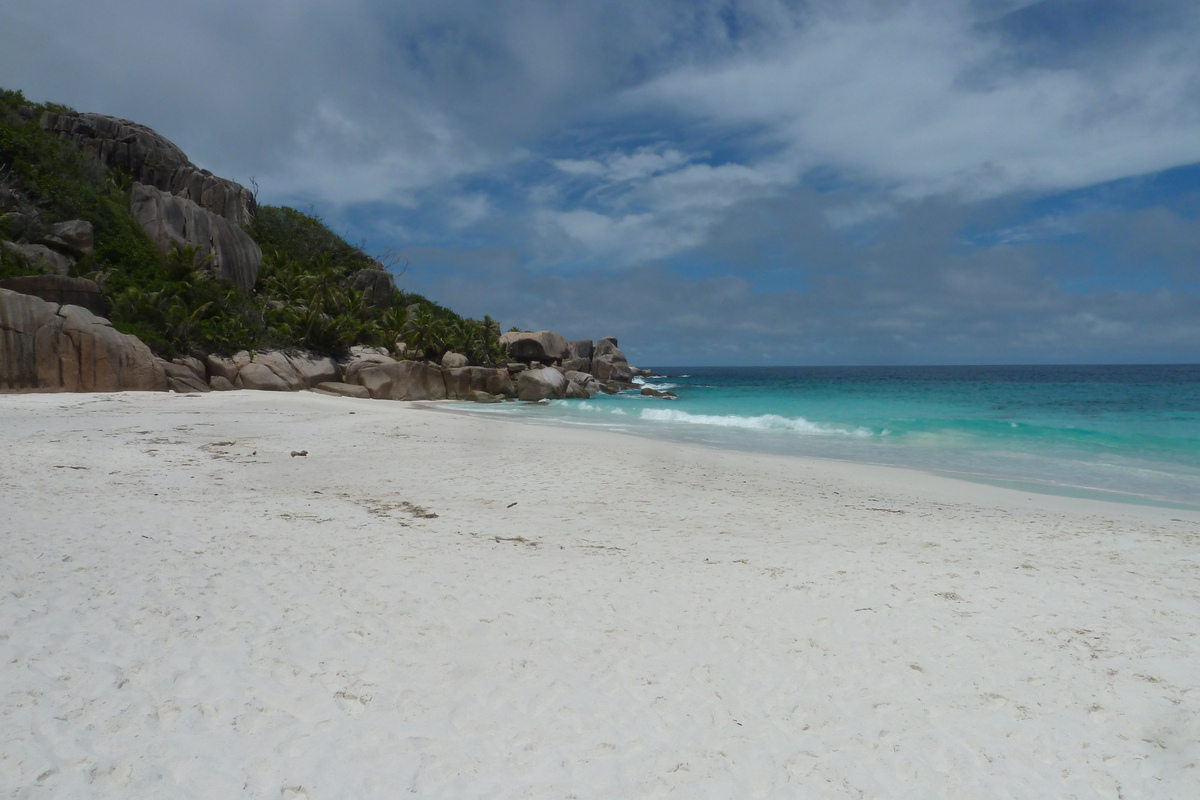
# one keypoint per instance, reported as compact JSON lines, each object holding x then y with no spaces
{"x":443,"y":606}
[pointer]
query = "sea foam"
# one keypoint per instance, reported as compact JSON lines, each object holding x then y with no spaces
{"x":764,"y":422}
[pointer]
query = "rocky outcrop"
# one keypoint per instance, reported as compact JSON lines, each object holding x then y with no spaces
{"x":376,"y":283}
{"x":543,"y":346}
{"x":152,"y":160}
{"x":580,"y":348}
{"x":47,"y":347}
{"x":72,"y":238}
{"x":361,"y":358}
{"x":59,"y":289}
{"x":463,"y":382}
{"x":40,"y":256}
{"x":274,"y":371}
{"x":343,"y":389}
{"x":454,"y":360}
{"x":174,"y":221}
{"x":403,"y":380}
{"x":608,"y":347}
{"x":577,"y":365}
{"x":546,"y":383}
{"x":183,"y":379}
{"x":587,"y":382}
{"x":605,"y":368}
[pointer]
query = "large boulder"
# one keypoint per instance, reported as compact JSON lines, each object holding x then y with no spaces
{"x":377,"y":284}
{"x":608,"y":347}
{"x":219,"y":366}
{"x":287,"y":372}
{"x":403,"y":380}
{"x":153,"y":160}
{"x":73,"y":238}
{"x":45,"y":347}
{"x":580,"y":348}
{"x":360,"y":359}
{"x":586,"y":381}
{"x":607,"y":368}
{"x":544,"y":346}
{"x":59,"y":289}
{"x":261,"y":377}
{"x":541,"y":384}
{"x":577,"y":365}
{"x":172,"y":221}
{"x":343,"y":389}
{"x":182,"y":379}
{"x":41,"y":257}
{"x":454,"y":360}
{"x":462,"y":383}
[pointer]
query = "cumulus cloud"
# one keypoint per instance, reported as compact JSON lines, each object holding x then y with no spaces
{"x":788,"y":180}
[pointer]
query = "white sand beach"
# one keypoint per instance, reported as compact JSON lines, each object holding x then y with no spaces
{"x":436,"y":605}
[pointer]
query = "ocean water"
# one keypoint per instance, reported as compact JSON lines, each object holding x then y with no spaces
{"x":1120,"y":432}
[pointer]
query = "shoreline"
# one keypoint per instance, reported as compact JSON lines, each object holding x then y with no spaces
{"x":448,"y":606}
{"x":1041,"y":487}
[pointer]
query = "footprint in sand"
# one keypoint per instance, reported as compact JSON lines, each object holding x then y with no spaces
{"x":352,"y":703}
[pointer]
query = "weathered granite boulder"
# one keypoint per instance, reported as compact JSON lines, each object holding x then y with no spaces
{"x":282,"y":366}
{"x":544,"y":346}
{"x":45,"y":347}
{"x":403,"y":380}
{"x":182,"y":379}
{"x":263,"y":378}
{"x":577,"y":365}
{"x":580,"y":348}
{"x":462,"y":382}
{"x":221,"y":367}
{"x":173,"y":221}
{"x":606,"y":368}
{"x":454,"y":360}
{"x":219,"y":383}
{"x":361,"y":358}
{"x":59,"y":289}
{"x":153,"y":160}
{"x":343,"y":389}
{"x":314,"y":369}
{"x":649,"y":392}
{"x":608,"y":347}
{"x":541,"y":384}
{"x":42,"y":257}
{"x":485,"y":397}
{"x":377,"y":284}
{"x":292,"y":372}
{"x":589,"y":383}
{"x":72,"y":238}
{"x":194,"y":364}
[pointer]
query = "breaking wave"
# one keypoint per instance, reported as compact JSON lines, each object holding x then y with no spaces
{"x":764,"y":422}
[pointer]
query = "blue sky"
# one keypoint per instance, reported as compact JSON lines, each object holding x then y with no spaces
{"x":759,"y":182}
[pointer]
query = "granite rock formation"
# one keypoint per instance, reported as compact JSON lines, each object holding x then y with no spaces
{"x":59,"y":289}
{"x":152,"y":159}
{"x":175,"y":221}
{"x":543,"y":346}
{"x":47,"y":347}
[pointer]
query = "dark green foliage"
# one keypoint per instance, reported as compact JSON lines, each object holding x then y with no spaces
{"x":175,"y":304}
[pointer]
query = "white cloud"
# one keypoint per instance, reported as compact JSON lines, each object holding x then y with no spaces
{"x":921,"y":100}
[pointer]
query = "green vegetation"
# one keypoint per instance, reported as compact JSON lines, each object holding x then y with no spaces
{"x":303,"y":297}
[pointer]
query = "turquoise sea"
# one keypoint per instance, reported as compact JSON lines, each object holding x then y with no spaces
{"x":1122,"y":432}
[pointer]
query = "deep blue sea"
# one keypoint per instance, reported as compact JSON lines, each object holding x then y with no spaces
{"x":1122,"y":432}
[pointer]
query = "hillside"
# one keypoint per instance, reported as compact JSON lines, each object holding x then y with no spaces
{"x":308,"y":289}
